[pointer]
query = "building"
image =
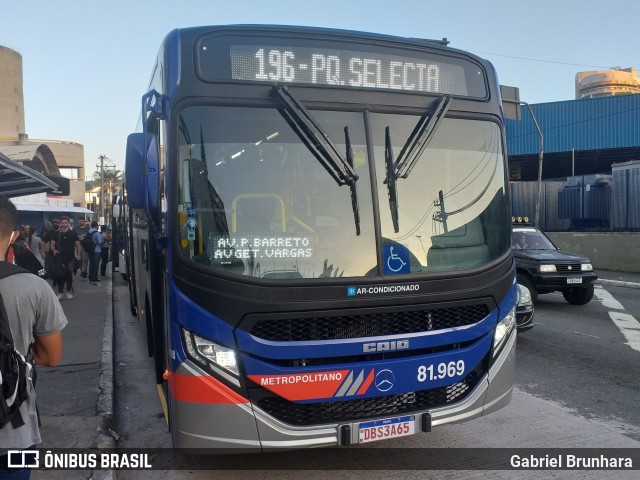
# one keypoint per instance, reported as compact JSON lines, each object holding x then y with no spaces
{"x":581,"y":137}
{"x":53,"y":158}
{"x":605,"y":83}
{"x":11,"y":96}
{"x":586,"y":142}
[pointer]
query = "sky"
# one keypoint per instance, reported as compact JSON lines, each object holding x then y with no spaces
{"x":86,"y":64}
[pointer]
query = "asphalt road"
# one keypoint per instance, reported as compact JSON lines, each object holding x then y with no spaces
{"x":577,"y":385}
{"x":578,"y":357}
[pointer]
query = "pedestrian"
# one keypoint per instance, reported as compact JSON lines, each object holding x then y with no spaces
{"x":35,"y":321}
{"x":66,"y":244}
{"x":96,"y":255}
{"x":34,"y":242}
{"x":104,"y":248}
{"x":81,"y":230}
{"x":50,"y":230}
{"x":20,"y":254}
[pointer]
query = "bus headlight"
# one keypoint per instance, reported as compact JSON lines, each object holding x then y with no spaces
{"x":503,"y":329}
{"x":586,"y":267}
{"x":547,"y":268}
{"x":205,"y":351}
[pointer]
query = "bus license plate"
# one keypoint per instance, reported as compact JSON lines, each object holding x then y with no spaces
{"x":387,"y":428}
{"x":574,"y":279}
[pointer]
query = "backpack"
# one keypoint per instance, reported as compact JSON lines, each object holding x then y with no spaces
{"x":23,"y":257}
{"x":55,"y":266}
{"x":14,"y":368}
{"x":87,"y":242}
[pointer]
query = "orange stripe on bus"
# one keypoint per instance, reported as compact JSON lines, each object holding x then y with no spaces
{"x":366,"y":383}
{"x":202,"y":389}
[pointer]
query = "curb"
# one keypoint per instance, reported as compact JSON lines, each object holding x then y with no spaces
{"x":105,"y":402}
{"x":618,"y":283}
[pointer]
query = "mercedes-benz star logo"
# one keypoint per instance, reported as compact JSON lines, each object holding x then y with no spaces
{"x":384,"y":380}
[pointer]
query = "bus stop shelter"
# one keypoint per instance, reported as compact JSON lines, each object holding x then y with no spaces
{"x":17,"y":180}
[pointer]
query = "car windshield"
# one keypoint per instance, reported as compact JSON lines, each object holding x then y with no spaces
{"x":531,"y":240}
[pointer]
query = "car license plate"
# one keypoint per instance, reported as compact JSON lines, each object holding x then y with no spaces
{"x":387,"y":428}
{"x":574,"y":279}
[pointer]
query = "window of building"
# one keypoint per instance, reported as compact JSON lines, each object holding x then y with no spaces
{"x":70,"y":173}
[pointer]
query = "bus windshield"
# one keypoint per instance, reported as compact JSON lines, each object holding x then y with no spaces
{"x":255,"y":201}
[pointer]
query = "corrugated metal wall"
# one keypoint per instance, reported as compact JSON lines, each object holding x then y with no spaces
{"x":625,"y":202}
{"x":586,"y":124}
{"x":609,"y":202}
{"x":523,"y":203}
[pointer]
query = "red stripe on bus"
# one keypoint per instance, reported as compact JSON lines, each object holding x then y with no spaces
{"x":302,"y":386}
{"x":366,"y":383}
{"x":202,"y":389}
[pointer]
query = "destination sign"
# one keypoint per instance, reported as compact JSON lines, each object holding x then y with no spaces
{"x":225,"y":248}
{"x":424,"y":73}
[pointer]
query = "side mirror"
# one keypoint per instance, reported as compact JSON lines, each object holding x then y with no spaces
{"x":141,"y":172}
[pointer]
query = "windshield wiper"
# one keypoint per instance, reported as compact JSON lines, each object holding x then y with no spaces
{"x":391,"y":179}
{"x":411,"y":151}
{"x":352,"y":186}
{"x":319,"y":144}
{"x":315,"y":139}
{"x":420,"y":138}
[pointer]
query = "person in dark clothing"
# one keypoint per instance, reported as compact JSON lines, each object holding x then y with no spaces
{"x":20,"y":254}
{"x":81,"y":230}
{"x":96,"y":255}
{"x":66,"y":244}
{"x":49,"y":233}
{"x":104,"y":250}
{"x":50,"y":230}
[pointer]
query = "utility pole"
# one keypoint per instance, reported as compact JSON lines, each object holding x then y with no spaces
{"x":102,"y":158}
{"x":105,"y":164}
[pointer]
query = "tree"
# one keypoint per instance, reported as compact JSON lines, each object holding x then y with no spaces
{"x":107,"y":176}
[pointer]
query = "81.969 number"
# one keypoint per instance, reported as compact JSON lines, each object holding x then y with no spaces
{"x":440,"y":371}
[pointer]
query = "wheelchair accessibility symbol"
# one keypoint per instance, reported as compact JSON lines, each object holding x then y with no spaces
{"x":396,"y":259}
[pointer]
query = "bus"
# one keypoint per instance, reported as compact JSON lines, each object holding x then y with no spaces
{"x":122,"y":252}
{"x":320,"y":237}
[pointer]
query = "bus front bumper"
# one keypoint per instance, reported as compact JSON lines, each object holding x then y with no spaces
{"x":238,"y":426}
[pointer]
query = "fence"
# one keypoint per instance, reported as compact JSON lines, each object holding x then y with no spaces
{"x":589,"y":202}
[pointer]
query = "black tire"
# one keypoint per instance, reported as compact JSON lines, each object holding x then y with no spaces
{"x":524,"y":280}
{"x":578,"y":295}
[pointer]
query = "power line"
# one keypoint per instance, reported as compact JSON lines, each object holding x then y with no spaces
{"x":529,"y":59}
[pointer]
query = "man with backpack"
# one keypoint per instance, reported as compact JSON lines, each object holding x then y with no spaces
{"x":92,"y":243}
{"x":31,"y":323}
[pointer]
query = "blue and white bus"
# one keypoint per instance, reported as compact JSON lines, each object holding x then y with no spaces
{"x":320,"y":246}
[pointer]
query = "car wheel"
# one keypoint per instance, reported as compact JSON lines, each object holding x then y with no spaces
{"x":523,"y":279}
{"x":578,"y":296}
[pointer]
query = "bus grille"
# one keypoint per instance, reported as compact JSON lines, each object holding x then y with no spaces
{"x":368,"y":408}
{"x":368,"y":325}
{"x":571,"y":268}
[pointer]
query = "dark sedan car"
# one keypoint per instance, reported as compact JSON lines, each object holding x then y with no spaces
{"x":543,"y":268}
